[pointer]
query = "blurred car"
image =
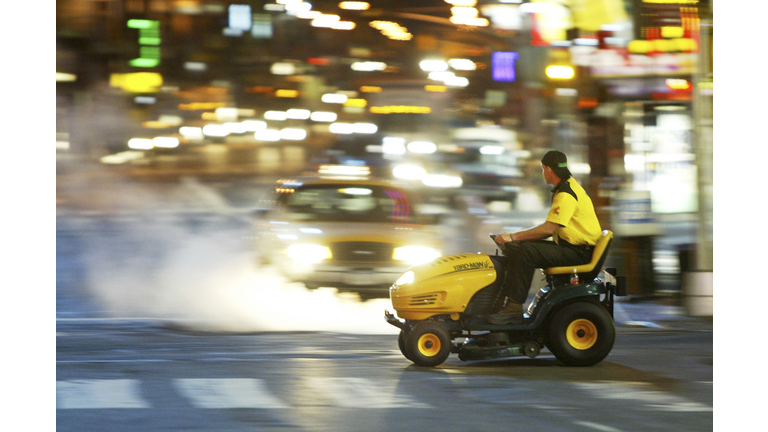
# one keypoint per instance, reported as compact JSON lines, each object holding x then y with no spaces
{"x":491,"y":162}
{"x":354,"y":234}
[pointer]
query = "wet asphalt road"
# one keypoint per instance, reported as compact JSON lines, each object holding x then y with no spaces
{"x":136,"y":350}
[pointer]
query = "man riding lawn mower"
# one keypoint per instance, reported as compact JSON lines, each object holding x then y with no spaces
{"x":453,"y":296}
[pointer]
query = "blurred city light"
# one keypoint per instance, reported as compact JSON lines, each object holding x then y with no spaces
{"x":311,"y":253}
{"x":293,"y":134}
{"x":393,"y":145}
{"x":226,"y":114}
{"x":559,"y":72}
{"x":435,"y":88}
{"x":462,"y":64}
{"x":370,"y":89}
{"x":503,"y":65}
{"x":408,"y":172}
{"x":345,"y":170}
{"x":215,"y":130}
{"x":469,"y":21}
{"x":334,"y":98}
{"x":356,"y":102}
{"x":491,"y":150}
{"x":254,"y":125}
{"x":364,"y":128}
{"x":392,"y":30}
{"x":121,"y":157}
{"x":325,"y":20}
{"x":240,"y":16}
{"x":165,"y":142}
{"x":466,"y":3}
{"x":283,"y":68}
{"x":442,"y":181}
{"x":137,"y":82}
{"x":271,"y":135}
{"x":343,"y":25}
{"x":140,"y":144}
{"x":234,"y":127}
{"x":286,"y":93}
{"x":415,"y":254}
{"x":298,"y":114}
{"x":275,"y":115}
{"x":368,"y":66}
{"x":308,"y":15}
{"x":441,"y":75}
{"x":354,"y":5}
{"x":323,"y":116}
{"x":457,"y":81}
{"x":341,"y":128}
{"x":192,"y":132}
{"x":422,"y":147}
{"x":433,"y":65}
{"x":65,"y":77}
{"x":145,"y":100}
{"x":293,"y":8}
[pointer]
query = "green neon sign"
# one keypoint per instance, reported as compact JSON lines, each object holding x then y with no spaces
{"x":143,"y":24}
{"x":149,"y":39}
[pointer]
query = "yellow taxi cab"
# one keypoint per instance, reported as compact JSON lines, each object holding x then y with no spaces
{"x":352,"y":233}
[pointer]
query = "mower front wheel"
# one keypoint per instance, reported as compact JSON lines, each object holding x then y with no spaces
{"x":401,"y":344}
{"x":427,"y":344}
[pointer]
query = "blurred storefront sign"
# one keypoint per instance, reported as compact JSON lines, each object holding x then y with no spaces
{"x":610,"y":63}
{"x":634,"y":216}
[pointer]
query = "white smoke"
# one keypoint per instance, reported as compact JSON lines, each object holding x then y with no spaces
{"x":184,"y":256}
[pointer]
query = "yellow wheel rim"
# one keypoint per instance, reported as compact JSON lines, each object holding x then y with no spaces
{"x":429,"y":345}
{"x":581,"y":334}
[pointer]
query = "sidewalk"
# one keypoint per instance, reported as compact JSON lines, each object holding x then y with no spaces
{"x":657,"y":314}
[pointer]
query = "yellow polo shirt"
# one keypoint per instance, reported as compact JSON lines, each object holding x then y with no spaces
{"x":572,"y":209}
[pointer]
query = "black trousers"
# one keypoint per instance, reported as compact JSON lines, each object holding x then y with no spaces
{"x":527,"y":256}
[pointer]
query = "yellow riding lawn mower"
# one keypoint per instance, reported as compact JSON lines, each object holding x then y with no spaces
{"x":450,"y":298}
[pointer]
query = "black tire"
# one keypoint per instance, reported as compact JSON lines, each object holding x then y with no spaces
{"x":428,"y":344}
{"x":401,"y":344}
{"x":581,"y":334}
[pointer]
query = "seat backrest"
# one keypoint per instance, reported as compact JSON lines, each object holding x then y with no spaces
{"x":590,"y":270}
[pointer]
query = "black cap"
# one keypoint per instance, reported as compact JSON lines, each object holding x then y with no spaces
{"x":558,"y":162}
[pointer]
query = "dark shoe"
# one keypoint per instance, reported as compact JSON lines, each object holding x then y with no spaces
{"x":511,"y":313}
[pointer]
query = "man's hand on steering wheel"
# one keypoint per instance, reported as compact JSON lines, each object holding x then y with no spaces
{"x":502,"y":239}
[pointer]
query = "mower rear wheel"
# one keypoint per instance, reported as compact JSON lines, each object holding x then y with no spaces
{"x":427,"y":344}
{"x":581,"y":334}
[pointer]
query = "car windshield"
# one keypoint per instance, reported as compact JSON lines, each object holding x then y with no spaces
{"x":351,"y":203}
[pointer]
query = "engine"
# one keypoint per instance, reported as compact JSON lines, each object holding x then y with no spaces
{"x":443,"y":286}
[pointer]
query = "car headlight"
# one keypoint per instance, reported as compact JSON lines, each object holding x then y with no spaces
{"x":406,"y":278}
{"x":415,"y":254}
{"x":313,"y":253}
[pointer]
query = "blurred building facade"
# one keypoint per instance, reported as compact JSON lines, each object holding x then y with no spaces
{"x":624,"y":87}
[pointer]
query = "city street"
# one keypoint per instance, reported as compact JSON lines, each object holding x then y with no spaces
{"x":240,"y":187}
{"x":136,"y":376}
{"x":164,"y":321}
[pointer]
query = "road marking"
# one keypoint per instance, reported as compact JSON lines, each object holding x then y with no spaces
{"x":597,"y":426}
{"x":227,"y":393}
{"x":90,"y":394}
{"x":362,"y":393}
{"x":638,"y":392}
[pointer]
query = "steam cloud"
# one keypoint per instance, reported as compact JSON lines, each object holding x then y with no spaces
{"x":185,"y":256}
